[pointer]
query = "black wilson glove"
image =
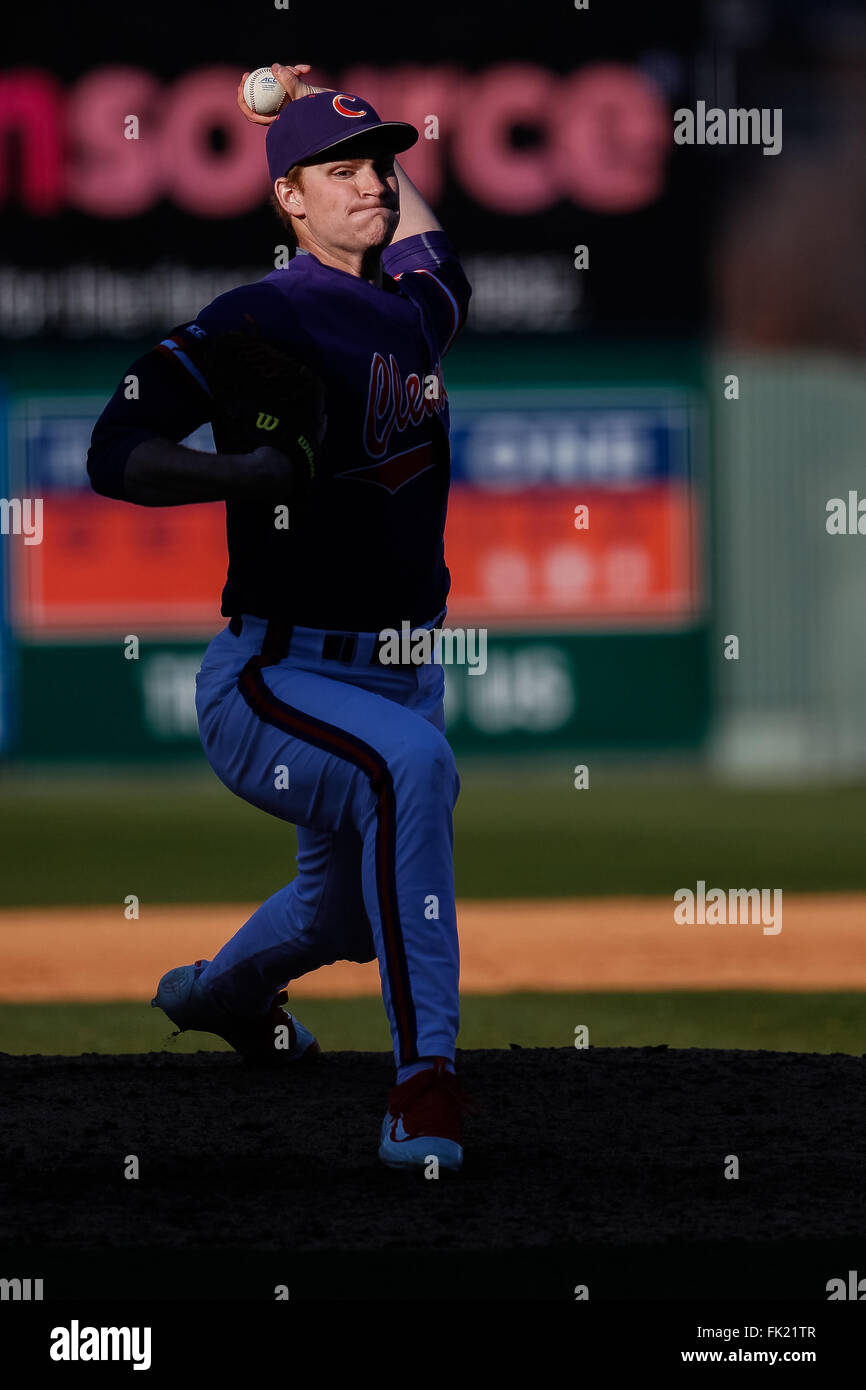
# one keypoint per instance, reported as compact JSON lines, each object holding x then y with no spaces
{"x":262,"y":396}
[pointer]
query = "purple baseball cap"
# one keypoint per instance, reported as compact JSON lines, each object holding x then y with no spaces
{"x":323,"y":121}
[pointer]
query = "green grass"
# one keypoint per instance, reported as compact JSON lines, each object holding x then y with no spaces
{"x":830,"y":1022}
{"x":74,"y":838}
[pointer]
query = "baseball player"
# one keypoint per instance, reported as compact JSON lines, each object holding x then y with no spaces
{"x":335,"y":532}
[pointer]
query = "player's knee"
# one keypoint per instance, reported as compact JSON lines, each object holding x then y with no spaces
{"x":426,"y":762}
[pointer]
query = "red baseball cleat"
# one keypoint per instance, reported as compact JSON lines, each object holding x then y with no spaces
{"x":425,"y":1121}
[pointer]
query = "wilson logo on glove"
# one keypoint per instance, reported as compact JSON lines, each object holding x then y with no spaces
{"x":267,"y":422}
{"x":308,"y":450}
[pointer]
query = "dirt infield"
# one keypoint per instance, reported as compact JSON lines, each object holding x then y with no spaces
{"x":580,"y":944}
{"x":602,"y":1167}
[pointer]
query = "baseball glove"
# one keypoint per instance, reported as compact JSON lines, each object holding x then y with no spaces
{"x":262,"y":396}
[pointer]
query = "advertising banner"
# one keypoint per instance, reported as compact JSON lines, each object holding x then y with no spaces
{"x":529,"y":147}
{"x":527,"y":694}
{"x":576,"y":508}
{"x":569,"y":509}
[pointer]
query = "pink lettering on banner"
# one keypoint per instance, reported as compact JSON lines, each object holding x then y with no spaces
{"x":613,"y":135}
{"x":415,"y":94}
{"x":109,"y":175}
{"x":604,"y":134}
{"x":498,"y":175}
{"x":31,"y":109}
{"x":198,"y":178}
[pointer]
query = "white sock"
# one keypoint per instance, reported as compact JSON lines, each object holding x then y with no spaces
{"x":424,"y":1064}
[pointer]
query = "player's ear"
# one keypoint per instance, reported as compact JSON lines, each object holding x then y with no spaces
{"x":289,"y":197}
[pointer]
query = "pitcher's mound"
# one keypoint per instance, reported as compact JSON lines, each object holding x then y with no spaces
{"x":636,"y":1172}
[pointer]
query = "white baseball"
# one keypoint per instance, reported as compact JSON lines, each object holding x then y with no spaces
{"x":263,"y":93}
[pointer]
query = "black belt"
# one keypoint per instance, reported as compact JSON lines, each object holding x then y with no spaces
{"x":336,"y":646}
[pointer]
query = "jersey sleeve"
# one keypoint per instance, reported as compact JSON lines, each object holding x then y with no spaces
{"x":428,"y":270}
{"x":163,"y":393}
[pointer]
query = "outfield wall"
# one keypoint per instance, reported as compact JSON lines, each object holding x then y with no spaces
{"x":793,"y":703}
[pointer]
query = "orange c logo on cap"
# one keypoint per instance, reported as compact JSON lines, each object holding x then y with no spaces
{"x":343,"y":111}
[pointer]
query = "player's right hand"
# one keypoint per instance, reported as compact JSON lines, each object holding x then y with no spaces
{"x":289,"y":78}
{"x":276,"y":477}
{"x":268,"y":468}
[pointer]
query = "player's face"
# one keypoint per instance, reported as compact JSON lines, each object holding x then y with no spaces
{"x":350,"y":204}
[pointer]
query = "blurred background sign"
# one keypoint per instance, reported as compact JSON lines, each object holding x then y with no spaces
{"x":575,"y":507}
{"x":572,"y":508}
{"x":530,"y":146}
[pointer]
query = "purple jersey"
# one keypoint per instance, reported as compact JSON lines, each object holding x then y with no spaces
{"x":365,"y":551}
